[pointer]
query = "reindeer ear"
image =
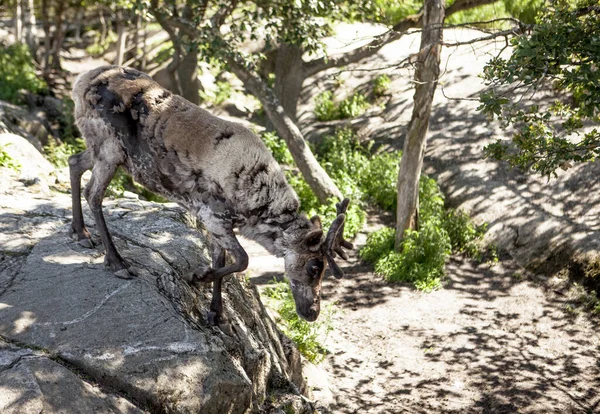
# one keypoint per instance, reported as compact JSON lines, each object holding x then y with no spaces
{"x":312,"y":240}
{"x":316,"y":221}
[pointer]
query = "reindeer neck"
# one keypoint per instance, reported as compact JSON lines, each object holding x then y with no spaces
{"x":276,"y":233}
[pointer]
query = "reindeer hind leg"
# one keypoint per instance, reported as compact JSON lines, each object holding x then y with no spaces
{"x":102,"y":174}
{"x":78,"y":164}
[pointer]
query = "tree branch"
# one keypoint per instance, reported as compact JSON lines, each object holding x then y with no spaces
{"x":411,"y":22}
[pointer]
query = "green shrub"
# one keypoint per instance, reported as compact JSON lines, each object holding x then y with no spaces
{"x":353,"y":106}
{"x":278,"y":148}
{"x":59,"y":154}
{"x":380,"y":179}
{"x":221,"y":94}
{"x":381,"y":85}
{"x":423,"y":253}
{"x":17,"y":73}
{"x":464,"y":234}
{"x":99,"y":47}
{"x":306,"y":335}
{"x":7,"y":161}
{"x":325,"y":109}
{"x":395,"y":10}
{"x":379,"y":244}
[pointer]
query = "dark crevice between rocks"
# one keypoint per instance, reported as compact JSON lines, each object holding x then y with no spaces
{"x":14,"y":259}
{"x":100,"y":381}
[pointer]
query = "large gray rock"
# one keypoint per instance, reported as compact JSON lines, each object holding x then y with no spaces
{"x":33,"y":165}
{"x":142,"y":344}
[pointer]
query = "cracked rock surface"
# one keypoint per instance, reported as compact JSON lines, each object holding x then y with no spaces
{"x":73,"y":338}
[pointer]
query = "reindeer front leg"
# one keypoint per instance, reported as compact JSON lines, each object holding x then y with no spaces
{"x":219,"y":224}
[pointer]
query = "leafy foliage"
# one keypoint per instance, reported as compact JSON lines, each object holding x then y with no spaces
{"x":379,"y":180}
{"x":463,"y":232}
{"x":17,"y":73}
{"x":351,"y":107}
{"x":325,"y":109}
{"x":563,"y":49}
{"x":100,"y":46}
{"x":381,"y":85}
{"x":7,"y":161}
{"x":423,"y":252}
{"x":58,"y":154}
{"x":306,"y":335}
{"x":278,"y":148}
{"x":220,"y":95}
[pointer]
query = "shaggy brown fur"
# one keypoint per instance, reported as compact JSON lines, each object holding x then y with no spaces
{"x":219,"y":170}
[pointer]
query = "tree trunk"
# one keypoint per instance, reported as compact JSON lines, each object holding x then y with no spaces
{"x":426,"y":77}
{"x":47,"y":38}
{"x":29,"y":27}
{"x":121,"y":38}
{"x":289,"y":77}
{"x":316,"y":177}
{"x":144,"y":62}
{"x":103,"y":27}
{"x":78,"y":21}
{"x":188,"y":77}
{"x":18,"y":22}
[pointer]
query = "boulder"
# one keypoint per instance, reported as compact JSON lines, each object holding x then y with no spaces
{"x":33,"y":166}
{"x":71,"y":328}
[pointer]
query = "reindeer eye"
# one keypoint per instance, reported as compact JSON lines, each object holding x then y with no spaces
{"x":314,"y":267}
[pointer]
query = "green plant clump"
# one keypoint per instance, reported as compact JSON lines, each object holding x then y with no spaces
{"x":17,"y":73}
{"x":306,"y":335}
{"x":101,"y":46}
{"x":278,"y":148}
{"x":220,"y":95}
{"x":7,"y":161}
{"x":351,"y":107}
{"x":381,"y":85}
{"x":423,"y":252}
{"x":59,"y":154}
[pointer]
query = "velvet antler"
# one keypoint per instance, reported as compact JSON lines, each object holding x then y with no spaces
{"x":335,"y":240}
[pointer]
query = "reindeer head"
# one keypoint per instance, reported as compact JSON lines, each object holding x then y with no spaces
{"x":305,"y":263}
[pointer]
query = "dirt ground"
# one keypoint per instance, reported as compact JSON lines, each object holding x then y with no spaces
{"x":495,"y":339}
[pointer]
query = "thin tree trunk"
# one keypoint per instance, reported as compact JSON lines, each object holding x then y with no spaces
{"x":136,"y":39}
{"x":316,"y":177}
{"x":78,"y":20}
{"x":103,"y":28}
{"x":29,"y":27}
{"x":144,"y":62}
{"x":47,"y":38}
{"x":426,"y":77}
{"x":121,"y":38}
{"x":18,"y":22}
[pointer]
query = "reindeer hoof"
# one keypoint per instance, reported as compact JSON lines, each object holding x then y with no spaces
{"x":213,"y":318}
{"x":124,"y":274}
{"x":87,"y":243}
{"x":226,"y":329}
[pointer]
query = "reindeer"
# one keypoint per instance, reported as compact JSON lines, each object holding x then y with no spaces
{"x":218,"y":170}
